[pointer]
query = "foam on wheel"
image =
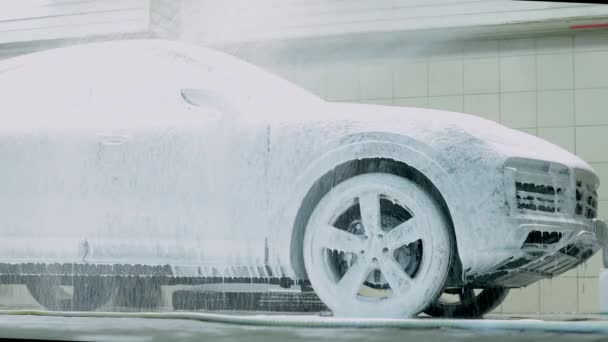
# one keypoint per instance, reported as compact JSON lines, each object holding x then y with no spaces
{"x":377,"y":245}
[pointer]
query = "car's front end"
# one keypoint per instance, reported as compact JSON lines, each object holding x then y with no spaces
{"x":552,"y":214}
{"x":522,"y":208}
{"x":543,"y":214}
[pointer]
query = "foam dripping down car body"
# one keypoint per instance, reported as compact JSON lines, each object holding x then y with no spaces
{"x":163,"y":161}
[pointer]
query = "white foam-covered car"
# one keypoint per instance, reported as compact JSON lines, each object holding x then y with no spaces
{"x":136,"y":160}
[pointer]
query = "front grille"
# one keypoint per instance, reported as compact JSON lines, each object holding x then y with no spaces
{"x":539,"y":197}
{"x":549,"y":188}
{"x":536,"y":237}
{"x":586,"y":200}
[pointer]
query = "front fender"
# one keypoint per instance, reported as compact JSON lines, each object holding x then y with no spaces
{"x":372,"y":145}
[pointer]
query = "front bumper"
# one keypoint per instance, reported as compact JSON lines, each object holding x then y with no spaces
{"x":535,"y":259}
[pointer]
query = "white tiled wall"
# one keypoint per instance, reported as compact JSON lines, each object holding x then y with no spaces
{"x":555,"y":87}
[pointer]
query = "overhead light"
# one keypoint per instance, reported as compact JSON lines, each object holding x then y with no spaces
{"x":589,"y":26}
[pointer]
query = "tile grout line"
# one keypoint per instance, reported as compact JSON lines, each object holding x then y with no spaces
{"x":393,"y":67}
{"x":574,"y":94}
{"x":536,"y":71}
{"x":462,"y":76}
{"x":427,"y":62}
{"x":545,"y":90}
{"x":539,"y":301}
{"x":537,"y":132}
{"x":499,"y":82}
{"x":573,"y":69}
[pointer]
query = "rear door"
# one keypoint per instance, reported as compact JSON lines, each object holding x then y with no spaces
{"x":182,"y":183}
{"x":44,"y":154}
{"x":115,"y":167}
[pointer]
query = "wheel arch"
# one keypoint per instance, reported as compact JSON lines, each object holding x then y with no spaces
{"x":410,"y":160}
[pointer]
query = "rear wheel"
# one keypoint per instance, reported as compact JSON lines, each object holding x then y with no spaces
{"x":377,"y":245}
{"x":84,"y":294}
{"x":467,"y":303}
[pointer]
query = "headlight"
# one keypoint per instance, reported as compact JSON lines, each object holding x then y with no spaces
{"x":586,"y":197}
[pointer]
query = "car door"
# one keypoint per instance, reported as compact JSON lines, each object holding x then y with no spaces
{"x":180,"y":184}
{"x":105,"y":162}
{"x":237,"y":154}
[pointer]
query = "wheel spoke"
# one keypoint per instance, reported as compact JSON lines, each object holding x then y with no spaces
{"x":398,"y":280}
{"x":370,"y":213}
{"x":404,"y":234}
{"x":333,"y":238}
{"x":353,"y":279}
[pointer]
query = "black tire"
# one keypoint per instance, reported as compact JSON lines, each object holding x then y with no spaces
{"x":137,"y":292}
{"x":470,"y":305}
{"x":89,"y":293}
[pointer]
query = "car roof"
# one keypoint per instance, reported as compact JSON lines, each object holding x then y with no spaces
{"x":89,"y":55}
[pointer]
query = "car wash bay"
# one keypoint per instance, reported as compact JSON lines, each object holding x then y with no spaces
{"x":547,"y":76}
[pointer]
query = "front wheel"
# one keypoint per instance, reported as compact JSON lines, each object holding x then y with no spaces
{"x":377,"y":245}
{"x":467,"y":303}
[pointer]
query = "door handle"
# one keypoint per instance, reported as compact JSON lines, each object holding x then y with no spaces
{"x":113,"y":139}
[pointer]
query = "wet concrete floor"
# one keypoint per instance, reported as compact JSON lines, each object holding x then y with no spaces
{"x":154,"y":329}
